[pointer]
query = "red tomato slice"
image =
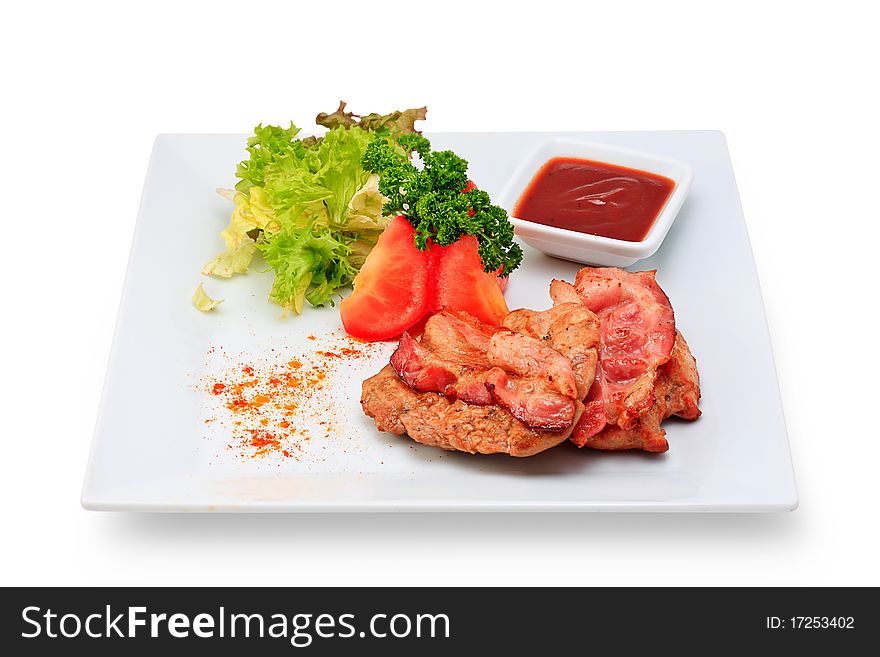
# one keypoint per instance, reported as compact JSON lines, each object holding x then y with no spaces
{"x":392,"y":290}
{"x":461,"y":283}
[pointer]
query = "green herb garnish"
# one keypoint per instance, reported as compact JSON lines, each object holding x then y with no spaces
{"x":437,"y":199}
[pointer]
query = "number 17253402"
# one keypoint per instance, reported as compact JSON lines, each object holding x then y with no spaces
{"x":810,"y":623}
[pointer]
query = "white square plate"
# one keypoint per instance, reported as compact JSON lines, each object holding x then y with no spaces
{"x":154,"y":451}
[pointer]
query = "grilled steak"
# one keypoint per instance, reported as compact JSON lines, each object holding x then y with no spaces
{"x":604,"y":367}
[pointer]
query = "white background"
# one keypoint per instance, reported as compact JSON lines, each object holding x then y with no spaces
{"x":86,"y":87}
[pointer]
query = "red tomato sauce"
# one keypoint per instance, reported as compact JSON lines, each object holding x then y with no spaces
{"x":596,"y":198}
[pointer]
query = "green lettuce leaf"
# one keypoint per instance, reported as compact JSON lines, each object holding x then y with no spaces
{"x":310,"y":264}
{"x":308,"y":205}
{"x":314,"y":214}
{"x":324,"y":201}
{"x":317,"y":185}
{"x":267,"y":147}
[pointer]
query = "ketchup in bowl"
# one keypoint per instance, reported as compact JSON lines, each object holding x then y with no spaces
{"x":596,"y":198}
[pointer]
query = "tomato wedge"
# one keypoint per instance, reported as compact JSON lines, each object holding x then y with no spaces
{"x":392,"y":291}
{"x":461,"y":283}
{"x":398,"y":286}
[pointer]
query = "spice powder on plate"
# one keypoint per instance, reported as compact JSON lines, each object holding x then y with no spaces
{"x":267,"y":401}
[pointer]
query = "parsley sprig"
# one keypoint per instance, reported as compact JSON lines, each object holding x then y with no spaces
{"x":437,"y":201}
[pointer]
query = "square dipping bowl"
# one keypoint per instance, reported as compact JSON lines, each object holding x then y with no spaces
{"x":582,"y":247}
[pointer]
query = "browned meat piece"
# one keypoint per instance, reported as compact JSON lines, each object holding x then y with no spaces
{"x":647,"y":435}
{"x":676,"y":392}
{"x":424,"y":370}
{"x":386,"y":399}
{"x":432,"y":419}
{"x":636,"y":336}
{"x":564,"y":292}
{"x":604,"y":367}
{"x":530,"y":358}
{"x":569,"y":328}
{"x":421,"y":368}
{"x":471,"y":387}
{"x":531,"y":401}
{"x":462,"y":359}
{"x":458,"y":338}
{"x":683,"y":391}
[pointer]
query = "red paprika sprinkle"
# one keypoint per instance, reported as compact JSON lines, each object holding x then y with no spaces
{"x":264,"y":403}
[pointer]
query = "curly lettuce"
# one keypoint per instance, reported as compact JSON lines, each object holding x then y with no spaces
{"x":310,"y":264}
{"x":308,"y":206}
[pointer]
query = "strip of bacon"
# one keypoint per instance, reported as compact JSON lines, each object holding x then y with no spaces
{"x":461,"y":359}
{"x":636,"y":336}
